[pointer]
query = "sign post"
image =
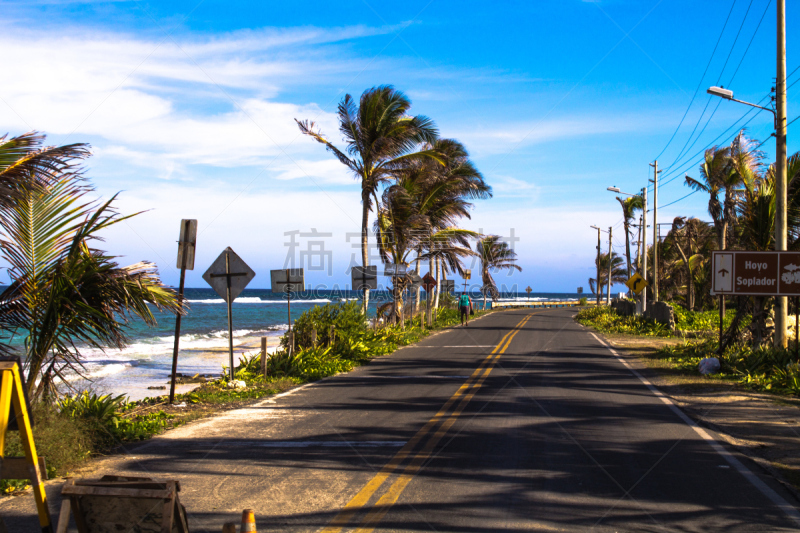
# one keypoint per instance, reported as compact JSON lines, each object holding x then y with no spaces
{"x":284,"y":280}
{"x":364,"y":279}
{"x":529,"y":290}
{"x":186,"y":248}
{"x":228,"y":275}
{"x":467,"y":276}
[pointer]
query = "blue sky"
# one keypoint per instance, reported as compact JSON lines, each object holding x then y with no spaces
{"x":189,"y":109}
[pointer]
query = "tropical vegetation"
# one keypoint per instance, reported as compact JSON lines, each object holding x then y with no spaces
{"x":418,"y":185}
{"x":740,"y":187}
{"x":63,"y":292}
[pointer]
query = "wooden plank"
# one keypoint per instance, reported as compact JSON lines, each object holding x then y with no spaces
{"x":63,"y":517}
{"x":83,"y":490}
{"x":7,"y":365}
{"x":20,"y":468}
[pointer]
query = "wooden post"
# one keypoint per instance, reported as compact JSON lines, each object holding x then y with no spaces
{"x":721,"y":316}
{"x":230,"y":313}
{"x":314,"y":337}
{"x":185,"y":251}
{"x":264,"y":356}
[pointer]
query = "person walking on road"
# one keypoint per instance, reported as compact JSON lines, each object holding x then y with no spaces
{"x":465,"y":306}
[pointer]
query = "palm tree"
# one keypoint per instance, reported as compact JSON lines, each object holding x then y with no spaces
{"x":381,"y":138}
{"x":25,"y":163}
{"x":725,"y":169}
{"x":629,"y":207}
{"x":420,"y":211}
{"x":688,"y":237}
{"x":494,"y":254}
{"x":64,"y":293}
{"x":617,"y":272}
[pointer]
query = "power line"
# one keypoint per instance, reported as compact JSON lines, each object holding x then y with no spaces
{"x":755,"y":148}
{"x":735,"y":41}
{"x":719,"y":78}
{"x":700,"y":83}
{"x":750,"y":43}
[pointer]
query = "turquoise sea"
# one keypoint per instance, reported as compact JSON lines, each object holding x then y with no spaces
{"x":147,"y":360}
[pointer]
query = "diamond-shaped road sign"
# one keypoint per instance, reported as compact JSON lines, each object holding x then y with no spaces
{"x":237,"y":271}
{"x":637,"y":283}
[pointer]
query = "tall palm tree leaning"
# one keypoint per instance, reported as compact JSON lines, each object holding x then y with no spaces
{"x":629,"y":207}
{"x":494,"y":254}
{"x":381,"y":137}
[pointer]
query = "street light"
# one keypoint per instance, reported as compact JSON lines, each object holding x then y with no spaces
{"x":616,"y":190}
{"x":779,"y":116}
{"x":721,"y":92}
{"x":728,"y":95}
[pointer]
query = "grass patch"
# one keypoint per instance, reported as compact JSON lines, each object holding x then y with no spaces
{"x":63,"y":441}
{"x":607,"y":320}
{"x":763,"y":369}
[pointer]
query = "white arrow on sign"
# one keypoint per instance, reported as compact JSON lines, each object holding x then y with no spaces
{"x":239,"y":273}
{"x":723,"y":273}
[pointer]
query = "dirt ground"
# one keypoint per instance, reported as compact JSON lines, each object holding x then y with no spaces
{"x":765,"y":427}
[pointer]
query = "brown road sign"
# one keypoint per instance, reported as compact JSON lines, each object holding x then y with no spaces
{"x":749,"y":273}
{"x":429,"y":282}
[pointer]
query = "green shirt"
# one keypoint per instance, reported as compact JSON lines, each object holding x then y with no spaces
{"x":464,"y":300}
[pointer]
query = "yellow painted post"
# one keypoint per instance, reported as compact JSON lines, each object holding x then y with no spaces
{"x":6,"y":379}
{"x":12,"y":393}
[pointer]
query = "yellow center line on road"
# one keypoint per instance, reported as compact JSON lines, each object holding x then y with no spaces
{"x":393,"y":494}
{"x":364,"y":495}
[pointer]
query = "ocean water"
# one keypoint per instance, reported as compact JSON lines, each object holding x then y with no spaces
{"x":147,"y":360}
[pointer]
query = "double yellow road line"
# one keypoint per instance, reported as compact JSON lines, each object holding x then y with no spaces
{"x":441,"y":422}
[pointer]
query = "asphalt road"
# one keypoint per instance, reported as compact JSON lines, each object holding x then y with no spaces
{"x":522,"y":421}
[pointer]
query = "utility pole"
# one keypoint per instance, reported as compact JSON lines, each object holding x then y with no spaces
{"x":644,"y":248}
{"x":655,"y":229}
{"x":780,"y":167}
{"x":608,"y":291}
{"x":639,"y":247}
{"x":598,"y":265}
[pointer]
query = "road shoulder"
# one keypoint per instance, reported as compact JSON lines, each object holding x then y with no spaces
{"x":765,"y":428}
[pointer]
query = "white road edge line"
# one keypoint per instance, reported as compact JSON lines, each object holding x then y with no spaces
{"x":319,"y":444}
{"x":784,"y":506}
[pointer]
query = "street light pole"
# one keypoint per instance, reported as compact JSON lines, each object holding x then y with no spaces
{"x":781,"y":304}
{"x":655,"y":229}
{"x":644,"y":247}
{"x":597,"y":292}
{"x":780,"y":167}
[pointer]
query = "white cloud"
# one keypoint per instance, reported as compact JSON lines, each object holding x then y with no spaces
{"x":494,"y":138}
{"x":209,"y":102}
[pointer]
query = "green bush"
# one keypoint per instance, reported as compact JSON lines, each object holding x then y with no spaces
{"x":607,"y":320}
{"x":686,"y":320}
{"x":583,"y":301}
{"x":346,"y":318}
